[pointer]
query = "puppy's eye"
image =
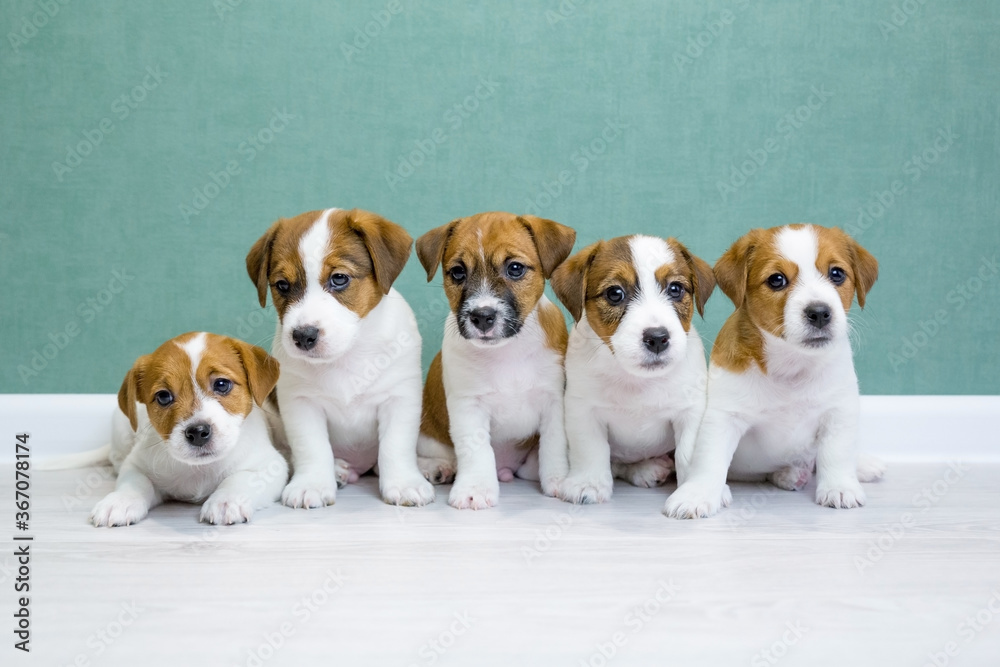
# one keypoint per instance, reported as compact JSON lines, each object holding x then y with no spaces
{"x":515,"y":270}
{"x":222,"y":386}
{"x":282,"y":286}
{"x":164,"y":397}
{"x":675,"y":291}
{"x":777,"y":281}
{"x":837,"y":275}
{"x":457,"y":273}
{"x":339,"y":281}
{"x":615,"y":295}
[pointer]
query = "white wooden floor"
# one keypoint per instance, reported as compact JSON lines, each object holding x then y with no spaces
{"x":534,"y":581}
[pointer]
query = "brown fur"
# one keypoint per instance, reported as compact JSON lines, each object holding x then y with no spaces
{"x":554,"y":325}
{"x":434,"y":419}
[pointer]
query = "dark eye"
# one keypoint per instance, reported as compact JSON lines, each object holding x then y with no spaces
{"x":457,"y":273}
{"x":515,"y":270}
{"x":222,"y":386}
{"x":164,"y":397}
{"x":837,"y":275}
{"x":675,"y":291}
{"x":614,"y":295}
{"x":282,"y":286}
{"x":339,"y":281}
{"x":777,"y":281}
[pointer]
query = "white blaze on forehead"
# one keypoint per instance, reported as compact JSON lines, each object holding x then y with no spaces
{"x":314,"y":247}
{"x":648,"y":254}
{"x":800,"y":246}
{"x":195,"y":349}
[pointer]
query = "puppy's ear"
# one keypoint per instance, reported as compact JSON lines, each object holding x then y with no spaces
{"x":865,"y":270}
{"x":388,"y":245}
{"x":259,"y":262}
{"x":731,"y":269}
{"x":261,"y":368}
{"x":553,"y":241}
{"x":129,"y":392}
{"x":702,"y":277}
{"x":430,"y":247}
{"x":569,"y":280}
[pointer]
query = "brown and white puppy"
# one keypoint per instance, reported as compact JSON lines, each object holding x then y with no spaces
{"x":635,"y":366}
{"x":496,"y":387}
{"x":191,"y":427}
{"x":349,"y":350}
{"x":782,"y":391}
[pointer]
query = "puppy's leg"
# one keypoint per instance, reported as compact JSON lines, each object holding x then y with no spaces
{"x":686,"y":434}
{"x":837,"y":482}
{"x":476,"y":485}
{"x":130,"y":502}
{"x":791,"y":478}
{"x":244,"y":491}
{"x":870,"y":468}
{"x":400,"y":480}
{"x":313,"y":482}
{"x":553,"y":463}
{"x":436,"y":460}
{"x":647,"y":473}
{"x":589,"y":479}
{"x":704,"y":490}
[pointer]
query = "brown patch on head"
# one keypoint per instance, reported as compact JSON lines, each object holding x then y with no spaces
{"x":485,"y":245}
{"x":251,"y":370}
{"x":364,"y":247}
{"x":837,"y":249}
{"x":611,"y":267}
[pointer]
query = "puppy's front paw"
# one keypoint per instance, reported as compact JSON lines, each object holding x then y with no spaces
{"x":648,"y":473}
{"x":436,"y":471}
{"x":790,"y":478}
{"x":870,"y":468}
{"x":697,"y":501}
{"x":309,"y":492}
{"x":344,"y":473}
{"x":474,"y":496}
{"x":410,"y":490}
{"x":119,"y":509}
{"x":551,"y":486}
{"x":224,"y":509}
{"x":846,"y":495}
{"x":587,"y":489}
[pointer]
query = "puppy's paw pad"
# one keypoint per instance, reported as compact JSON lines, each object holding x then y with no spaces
{"x":118,"y":509}
{"x":408,"y":492}
{"x":586,"y":490}
{"x":870,"y":468}
{"x":791,"y":478}
{"x":505,"y":475}
{"x":846,"y":496}
{"x":227,"y":510}
{"x":473,"y":497}
{"x":437,"y":471}
{"x":344,"y":473}
{"x":692,"y":501}
{"x":308,"y":493}
{"x":648,"y":473}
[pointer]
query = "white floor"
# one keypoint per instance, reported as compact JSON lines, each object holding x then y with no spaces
{"x":534,"y":581}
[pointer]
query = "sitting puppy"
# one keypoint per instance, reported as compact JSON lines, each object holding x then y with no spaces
{"x":782,"y":392}
{"x":349,"y":351}
{"x":495,"y":390}
{"x":190,"y":427}
{"x":635,"y":367}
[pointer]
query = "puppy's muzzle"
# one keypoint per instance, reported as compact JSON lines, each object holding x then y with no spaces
{"x":817,"y":315}
{"x":656,"y":339}
{"x":483,"y":318}
{"x":198,"y":435}
{"x":305,"y":338}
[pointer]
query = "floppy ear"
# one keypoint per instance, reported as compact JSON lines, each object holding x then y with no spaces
{"x":262,"y":369}
{"x":553,"y":241}
{"x":569,"y":280}
{"x":731,"y":269}
{"x":701,"y":276}
{"x":865,"y":270}
{"x":259,"y":262}
{"x":430,"y":247}
{"x":129,"y":392}
{"x":388,"y":245}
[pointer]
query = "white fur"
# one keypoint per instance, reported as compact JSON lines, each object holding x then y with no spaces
{"x":804,"y":410}
{"x":241,"y":472}
{"x":353,"y":401}
{"x":498,"y":396}
{"x":624,"y":416}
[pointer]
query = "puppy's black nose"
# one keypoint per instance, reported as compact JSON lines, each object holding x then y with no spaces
{"x":305,"y":337}
{"x":199,"y":434}
{"x":656,"y":339}
{"x":817,"y":314}
{"x":483,"y":318}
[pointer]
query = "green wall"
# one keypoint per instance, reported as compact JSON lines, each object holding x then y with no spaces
{"x":903,"y":125}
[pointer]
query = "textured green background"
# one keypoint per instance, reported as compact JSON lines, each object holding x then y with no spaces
{"x":553,"y":81}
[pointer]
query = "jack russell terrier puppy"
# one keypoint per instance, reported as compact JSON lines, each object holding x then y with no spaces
{"x":349,"y":349}
{"x":635,"y":366}
{"x":782,"y":391}
{"x":191,"y":427}
{"x":493,"y":400}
